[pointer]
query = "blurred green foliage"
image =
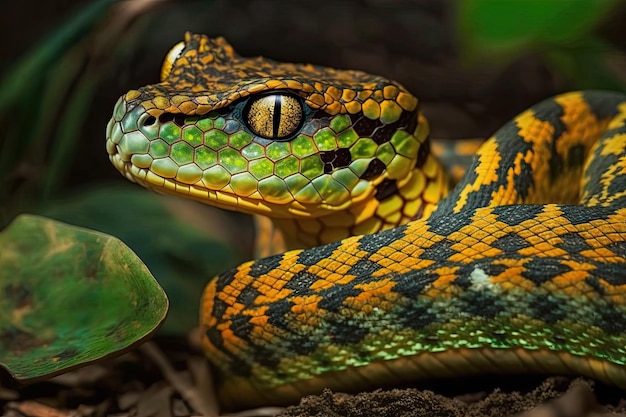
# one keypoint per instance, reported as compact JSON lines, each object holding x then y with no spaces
{"x":562,"y":31}
{"x":45,"y":99}
{"x":35,"y":127}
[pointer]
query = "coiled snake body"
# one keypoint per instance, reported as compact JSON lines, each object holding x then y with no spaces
{"x":521,"y":268}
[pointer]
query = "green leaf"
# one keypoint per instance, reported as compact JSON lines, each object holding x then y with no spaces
{"x":70,"y":296}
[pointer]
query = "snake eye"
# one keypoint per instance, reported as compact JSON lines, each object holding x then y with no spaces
{"x":274,"y":116}
{"x":170,"y":58}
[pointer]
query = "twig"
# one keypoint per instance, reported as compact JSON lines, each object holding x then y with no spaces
{"x":201,"y":375}
{"x":187,"y":391}
{"x":35,"y":409}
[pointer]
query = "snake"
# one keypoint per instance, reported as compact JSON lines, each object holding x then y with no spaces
{"x":374,"y":270}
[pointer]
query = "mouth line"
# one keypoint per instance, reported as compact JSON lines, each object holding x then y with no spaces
{"x":170,"y":186}
{"x":218,"y":198}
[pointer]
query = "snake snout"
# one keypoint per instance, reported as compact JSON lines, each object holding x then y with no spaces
{"x":128,"y":136}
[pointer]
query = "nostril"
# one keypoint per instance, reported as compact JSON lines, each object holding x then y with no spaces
{"x":149,"y":121}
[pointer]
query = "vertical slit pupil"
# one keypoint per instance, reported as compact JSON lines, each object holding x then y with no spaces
{"x":276,"y":116}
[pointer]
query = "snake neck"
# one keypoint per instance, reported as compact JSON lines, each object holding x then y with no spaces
{"x":411,"y":198}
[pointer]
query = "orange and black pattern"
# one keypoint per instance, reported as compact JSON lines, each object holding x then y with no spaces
{"x":209,"y":75}
{"x":495,"y":280}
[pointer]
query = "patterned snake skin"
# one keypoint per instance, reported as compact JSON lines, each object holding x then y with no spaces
{"x":521,"y":268}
